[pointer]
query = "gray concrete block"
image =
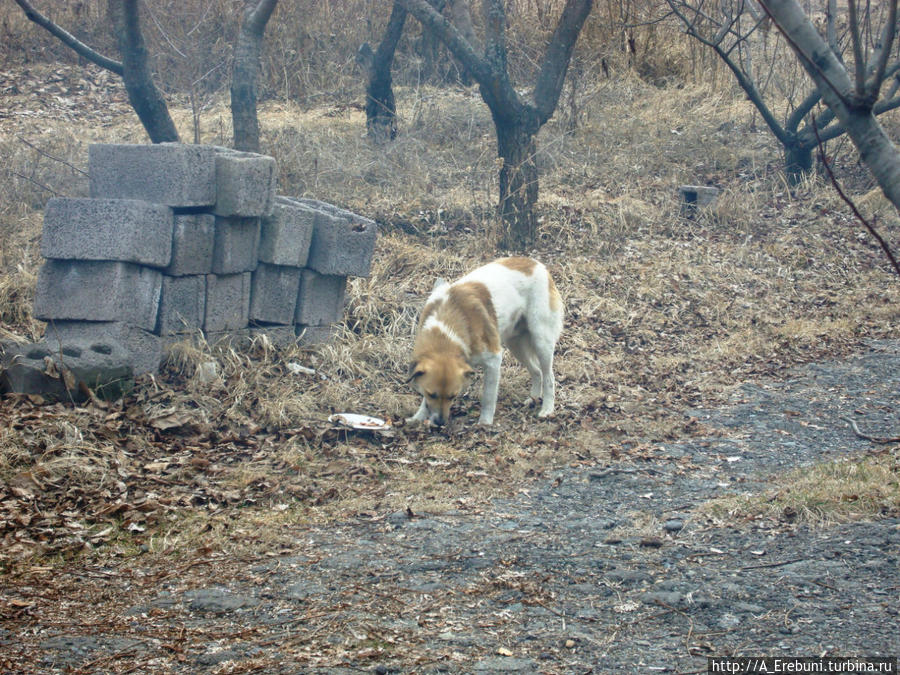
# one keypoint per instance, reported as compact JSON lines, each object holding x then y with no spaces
{"x":273,"y":295}
{"x":144,"y":348}
{"x":98,"y":291}
{"x":280,"y":336}
{"x":182,"y":305}
{"x":193,"y":240}
{"x":65,"y":372}
{"x":321,"y":298}
{"x":236,"y":245}
{"x":174,"y":174}
{"x":227,"y":302}
{"x":285,"y":235}
{"x":245,"y":183}
{"x":315,"y":335}
{"x":108,"y":229}
{"x":342,"y":242}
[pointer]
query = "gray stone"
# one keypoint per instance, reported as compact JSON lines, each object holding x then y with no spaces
{"x":236,"y":245}
{"x":673,"y":525}
{"x":216,"y":600}
{"x":694,"y":197}
{"x":174,"y":174}
{"x":98,"y":291}
{"x":144,"y":348}
{"x":182,"y":305}
{"x":227,"y":302}
{"x":273,"y":296}
{"x":342,"y":242}
{"x":286,"y":234}
{"x":193,"y":240}
{"x":66,"y":371}
{"x":108,"y":229}
{"x":321,"y":298}
{"x":506,"y":664}
{"x":245,"y":183}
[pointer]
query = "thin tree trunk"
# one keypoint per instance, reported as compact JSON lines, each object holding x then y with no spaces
{"x":147,"y":101}
{"x":245,"y":75}
{"x":518,"y":186}
{"x":381,"y":110}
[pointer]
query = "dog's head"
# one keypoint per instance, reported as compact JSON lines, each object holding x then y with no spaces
{"x":439,"y":380}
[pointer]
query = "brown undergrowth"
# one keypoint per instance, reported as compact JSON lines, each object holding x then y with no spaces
{"x":663,"y":312}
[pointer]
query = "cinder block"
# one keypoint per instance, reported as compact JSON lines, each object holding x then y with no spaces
{"x":193,"y":240}
{"x":314,"y":335}
{"x":273,"y":295}
{"x":227,"y":302}
{"x":174,"y":174}
{"x":182,"y":305}
{"x":144,"y":348}
{"x":321,"y":298}
{"x":98,"y":291}
{"x":279,"y":336}
{"x":286,"y":234}
{"x":245,"y":183}
{"x":236,"y":245}
{"x":64,"y":372}
{"x":108,"y":229}
{"x":342,"y":242}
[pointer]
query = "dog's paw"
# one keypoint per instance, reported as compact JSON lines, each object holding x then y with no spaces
{"x":545,"y":412}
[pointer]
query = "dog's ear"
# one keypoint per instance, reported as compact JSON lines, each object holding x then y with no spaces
{"x":414,"y":372}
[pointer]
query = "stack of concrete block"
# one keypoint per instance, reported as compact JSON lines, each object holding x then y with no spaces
{"x":177,"y":239}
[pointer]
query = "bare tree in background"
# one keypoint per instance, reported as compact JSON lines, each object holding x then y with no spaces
{"x":143,"y":94}
{"x":245,"y":78}
{"x":852,"y":99}
{"x":381,"y":110}
{"x":516,"y":119}
{"x":737,"y":31}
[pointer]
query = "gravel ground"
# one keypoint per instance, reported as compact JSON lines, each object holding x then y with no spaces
{"x":602,"y":570}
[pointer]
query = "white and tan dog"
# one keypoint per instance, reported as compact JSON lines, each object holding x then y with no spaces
{"x":511,"y":302}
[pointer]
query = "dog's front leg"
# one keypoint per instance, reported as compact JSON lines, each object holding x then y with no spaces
{"x":491,"y":363}
{"x":420,"y":415}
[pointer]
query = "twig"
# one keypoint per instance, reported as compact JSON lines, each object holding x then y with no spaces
{"x":49,"y":156}
{"x":773,"y":564}
{"x":871,"y":228}
{"x":32,"y":180}
{"x":874,"y":439}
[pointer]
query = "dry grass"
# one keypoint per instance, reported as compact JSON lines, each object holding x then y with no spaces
{"x":855,"y":488}
{"x":663,"y":313}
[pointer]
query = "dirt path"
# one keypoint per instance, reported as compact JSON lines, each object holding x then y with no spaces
{"x":601,"y":570}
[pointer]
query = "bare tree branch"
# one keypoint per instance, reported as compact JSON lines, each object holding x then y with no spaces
{"x":68,"y":39}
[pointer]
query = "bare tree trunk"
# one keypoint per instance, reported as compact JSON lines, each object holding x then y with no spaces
{"x":852,"y":100}
{"x":381,"y":110}
{"x":147,"y":101}
{"x":245,"y":75}
{"x":516,"y":122}
{"x":461,"y":16}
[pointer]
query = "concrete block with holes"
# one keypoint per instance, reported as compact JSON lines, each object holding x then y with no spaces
{"x":90,"y":290}
{"x":66,"y":371}
{"x":342,"y":242}
{"x":143,"y":347}
{"x":175,"y":174}
{"x":129,"y":230}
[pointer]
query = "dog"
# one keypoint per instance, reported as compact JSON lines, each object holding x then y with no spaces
{"x":510,"y":302}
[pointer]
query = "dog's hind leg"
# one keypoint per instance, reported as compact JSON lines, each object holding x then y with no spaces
{"x":544,"y":348}
{"x":520,"y":346}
